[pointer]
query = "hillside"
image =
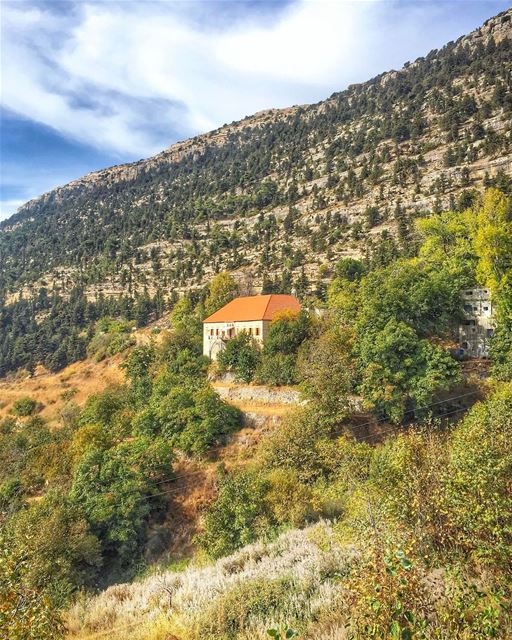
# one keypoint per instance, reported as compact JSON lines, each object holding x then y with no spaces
{"x":277,"y":199}
{"x":283,"y":193}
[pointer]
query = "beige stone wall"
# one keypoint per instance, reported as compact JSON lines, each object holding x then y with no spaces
{"x":215,"y":334}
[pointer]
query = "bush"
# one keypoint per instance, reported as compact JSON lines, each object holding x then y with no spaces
{"x":62,"y":552}
{"x":190,"y":416}
{"x":110,"y":337}
{"x":239,"y":516}
{"x":241,"y":355}
{"x":297,"y":445}
{"x":24,"y":407}
{"x":501,"y":351}
{"x":278,"y":369}
{"x":478,"y":481}
{"x":232,"y":613}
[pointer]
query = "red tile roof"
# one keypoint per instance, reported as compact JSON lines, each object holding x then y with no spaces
{"x":251,"y":308}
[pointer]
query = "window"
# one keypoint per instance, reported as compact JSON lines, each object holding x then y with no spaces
{"x":486,"y":308}
{"x":250,"y":331}
{"x":257,"y":331}
{"x":216,"y":332}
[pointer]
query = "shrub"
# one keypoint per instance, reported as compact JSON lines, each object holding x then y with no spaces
{"x":297,"y":445}
{"x":26,"y":612}
{"x":277,"y":369}
{"x":478,"y":481}
{"x":55,"y":538}
{"x":501,"y":351}
{"x":110,"y":337}
{"x":239,"y":516}
{"x":191,"y":416}
{"x":388,"y":596}
{"x":24,"y":407}
{"x":232,"y":613}
{"x":241,"y":355}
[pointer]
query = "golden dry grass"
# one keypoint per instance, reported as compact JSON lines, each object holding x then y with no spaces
{"x":77,"y":381}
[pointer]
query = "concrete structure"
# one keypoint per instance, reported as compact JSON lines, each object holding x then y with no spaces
{"x":477,"y":328}
{"x":252,"y":314}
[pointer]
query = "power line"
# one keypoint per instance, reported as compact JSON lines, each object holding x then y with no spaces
{"x":176,"y":491}
{"x":393,"y":428}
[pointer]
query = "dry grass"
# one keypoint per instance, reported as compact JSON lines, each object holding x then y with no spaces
{"x":76,"y":382}
{"x":223,"y":600}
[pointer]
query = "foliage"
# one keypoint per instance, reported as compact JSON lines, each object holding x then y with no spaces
{"x":24,"y":407}
{"x":241,"y":355}
{"x":478,"y":480}
{"x":388,"y":597}
{"x":191,"y":416}
{"x":238,"y":516}
{"x":277,"y":369}
{"x":349,"y":269}
{"x":26,"y":613}
{"x":112,"y":487}
{"x":138,"y":373}
{"x":59,"y":550}
{"x":110,"y":338}
{"x":280,"y":349}
{"x":501,"y":351}
{"x":493,"y":244}
{"x":223,"y":288}
{"x":327,"y":371}
{"x":399,"y":368}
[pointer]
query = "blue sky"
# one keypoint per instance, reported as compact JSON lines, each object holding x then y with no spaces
{"x":87,"y":84}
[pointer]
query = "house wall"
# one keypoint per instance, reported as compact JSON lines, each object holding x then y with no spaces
{"x":216,"y":334}
{"x":477,"y":328}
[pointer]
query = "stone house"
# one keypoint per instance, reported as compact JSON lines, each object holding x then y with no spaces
{"x":477,"y":328}
{"x":252,"y":314}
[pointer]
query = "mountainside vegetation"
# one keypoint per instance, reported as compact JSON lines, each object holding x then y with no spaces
{"x":416,"y":540}
{"x":380,"y":506}
{"x":279,"y":197}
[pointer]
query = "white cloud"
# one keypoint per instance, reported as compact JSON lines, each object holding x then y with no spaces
{"x":8,"y":207}
{"x":132,"y":77}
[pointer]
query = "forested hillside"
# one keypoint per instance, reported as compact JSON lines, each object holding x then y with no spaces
{"x":391,"y":520}
{"x":281,"y":195}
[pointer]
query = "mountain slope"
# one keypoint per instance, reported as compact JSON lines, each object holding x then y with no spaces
{"x":282,"y":189}
{"x":276,"y":198}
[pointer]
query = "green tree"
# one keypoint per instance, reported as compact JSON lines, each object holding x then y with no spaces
{"x":241,"y":355}
{"x":112,"y":487}
{"x":238,"y":516}
{"x":328,"y":371}
{"x":223,"y":288}
{"x":138,"y":372}
{"x":401,"y":371}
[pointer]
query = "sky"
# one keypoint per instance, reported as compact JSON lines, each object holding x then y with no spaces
{"x":86,"y":84}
